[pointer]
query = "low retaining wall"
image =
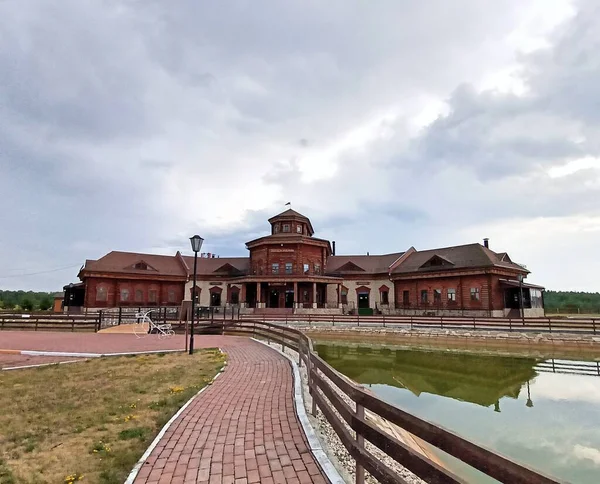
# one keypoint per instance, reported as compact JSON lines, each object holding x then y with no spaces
{"x":563,"y":341}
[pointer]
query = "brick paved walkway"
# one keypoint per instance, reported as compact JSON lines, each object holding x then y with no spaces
{"x":88,"y":342}
{"x":242,"y":429}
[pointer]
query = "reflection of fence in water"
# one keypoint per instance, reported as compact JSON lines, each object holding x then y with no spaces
{"x":589,"y":368}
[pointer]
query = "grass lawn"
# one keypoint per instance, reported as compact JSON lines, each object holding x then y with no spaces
{"x":91,"y":421}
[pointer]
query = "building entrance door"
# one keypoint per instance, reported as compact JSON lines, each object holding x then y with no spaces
{"x":363,"y":300}
{"x":289,"y":299}
{"x":274,"y":298}
{"x":215,"y":299}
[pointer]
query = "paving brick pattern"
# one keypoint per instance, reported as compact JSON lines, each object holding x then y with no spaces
{"x":89,"y":342}
{"x":242,"y":429}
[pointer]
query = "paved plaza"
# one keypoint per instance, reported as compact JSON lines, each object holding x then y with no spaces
{"x":242,"y":429}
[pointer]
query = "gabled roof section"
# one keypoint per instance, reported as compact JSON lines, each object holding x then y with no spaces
{"x":455,"y":257}
{"x":125,"y":263}
{"x":437,"y":261}
{"x":503,"y":256}
{"x":218,"y":265}
{"x":370,"y":264}
{"x":141,"y":265}
{"x":350,"y":266}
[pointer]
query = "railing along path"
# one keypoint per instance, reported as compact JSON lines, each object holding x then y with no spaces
{"x":344,"y":420}
{"x":552,"y":325}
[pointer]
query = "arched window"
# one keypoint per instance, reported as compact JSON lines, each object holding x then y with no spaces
{"x":101,"y":294}
{"x":139,"y":295}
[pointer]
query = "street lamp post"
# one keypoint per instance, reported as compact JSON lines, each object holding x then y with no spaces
{"x":196,"y":242}
{"x":520,"y":276}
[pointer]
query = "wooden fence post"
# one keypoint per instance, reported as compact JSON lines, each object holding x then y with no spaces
{"x":360,"y":441}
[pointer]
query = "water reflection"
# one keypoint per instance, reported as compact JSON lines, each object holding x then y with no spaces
{"x":541,"y":412}
{"x":465,"y":377}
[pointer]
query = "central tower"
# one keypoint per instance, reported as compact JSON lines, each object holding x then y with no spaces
{"x":288,"y":265}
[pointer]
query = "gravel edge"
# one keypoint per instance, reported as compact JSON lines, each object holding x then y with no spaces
{"x":332,"y":445}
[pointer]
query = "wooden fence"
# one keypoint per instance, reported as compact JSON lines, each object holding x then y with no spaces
{"x":48,"y":322}
{"x":343,"y":418}
{"x":558,"y":325}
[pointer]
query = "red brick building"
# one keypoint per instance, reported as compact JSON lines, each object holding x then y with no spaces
{"x":291,"y":270}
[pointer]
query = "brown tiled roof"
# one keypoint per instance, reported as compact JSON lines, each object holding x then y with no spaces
{"x":460,"y":257}
{"x":288,"y":213}
{"x":370,"y":264}
{"x":123,"y":262}
{"x":211,"y":265}
{"x":292,"y":214}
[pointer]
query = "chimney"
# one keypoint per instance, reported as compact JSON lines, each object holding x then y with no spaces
{"x":367,"y":253}
{"x":486,"y":243}
{"x":333,"y":248}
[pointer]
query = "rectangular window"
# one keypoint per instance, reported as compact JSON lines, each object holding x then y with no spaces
{"x":299,"y":229}
{"x":276,"y":228}
{"x":344,"y":297}
{"x":317,"y":268}
{"x":384,"y":297}
{"x":286,"y":227}
{"x":536,"y":298}
{"x":451,"y":294}
{"x":305,"y":267}
{"x":406,"y":298}
{"x":139,"y":295}
{"x":474,"y":294}
{"x":289,"y":268}
{"x":424,"y":296}
{"x":101,"y":293}
{"x":275,"y":268}
{"x":152,"y":295}
{"x":306,"y":296}
{"x":171,"y":296}
{"x":437,"y":296}
{"x":235,"y":297}
{"x":124,"y":294}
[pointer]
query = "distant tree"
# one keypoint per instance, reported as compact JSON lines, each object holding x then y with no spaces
{"x":27,"y":304}
{"x":45,"y":303}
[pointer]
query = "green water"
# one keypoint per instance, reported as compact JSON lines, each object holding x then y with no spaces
{"x":549,"y":421}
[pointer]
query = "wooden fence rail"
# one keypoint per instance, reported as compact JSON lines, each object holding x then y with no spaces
{"x":323,"y":381}
{"x":556,"y":325}
{"x":57,"y":322}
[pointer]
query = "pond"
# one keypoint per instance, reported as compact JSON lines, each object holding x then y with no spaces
{"x":544,"y":413}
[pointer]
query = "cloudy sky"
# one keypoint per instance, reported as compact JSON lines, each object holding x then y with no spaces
{"x":133,"y":124}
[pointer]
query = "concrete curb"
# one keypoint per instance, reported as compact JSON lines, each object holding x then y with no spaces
{"x":136,"y":469}
{"x":40,"y":365}
{"x":313,"y":441}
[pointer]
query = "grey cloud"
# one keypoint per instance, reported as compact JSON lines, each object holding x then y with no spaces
{"x":139,"y":122}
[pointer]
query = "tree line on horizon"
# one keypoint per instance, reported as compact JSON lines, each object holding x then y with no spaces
{"x":26,"y":300}
{"x":572,"y":302}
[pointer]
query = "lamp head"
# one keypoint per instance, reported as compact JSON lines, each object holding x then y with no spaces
{"x":196,"y":242}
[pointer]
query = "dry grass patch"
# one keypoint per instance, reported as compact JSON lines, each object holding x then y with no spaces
{"x":92,"y":421}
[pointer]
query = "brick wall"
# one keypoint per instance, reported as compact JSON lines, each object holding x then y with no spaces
{"x":139,"y":292}
{"x":488,"y":300}
{"x":374,"y":284}
{"x":262,"y":258}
